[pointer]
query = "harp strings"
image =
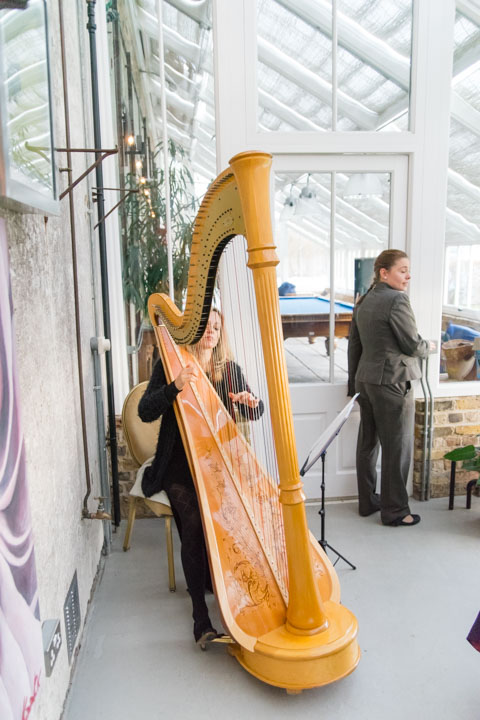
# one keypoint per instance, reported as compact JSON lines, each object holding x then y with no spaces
{"x":237,"y":300}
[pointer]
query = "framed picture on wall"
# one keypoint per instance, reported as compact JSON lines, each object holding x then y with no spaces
{"x":27,"y":168}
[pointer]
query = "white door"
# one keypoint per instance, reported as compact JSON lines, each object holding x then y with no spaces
{"x":333,"y":216}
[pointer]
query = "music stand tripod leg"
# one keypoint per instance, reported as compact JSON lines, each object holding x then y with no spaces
{"x":325,"y":545}
{"x":321,"y":512}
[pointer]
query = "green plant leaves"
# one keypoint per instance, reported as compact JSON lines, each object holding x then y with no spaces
{"x":145,"y":262}
{"x":464,"y":453}
{"x":473,"y":464}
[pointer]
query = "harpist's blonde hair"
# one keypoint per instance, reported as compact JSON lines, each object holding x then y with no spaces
{"x":221,"y":353}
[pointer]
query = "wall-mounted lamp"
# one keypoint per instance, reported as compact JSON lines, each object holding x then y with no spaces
{"x":134,"y":146}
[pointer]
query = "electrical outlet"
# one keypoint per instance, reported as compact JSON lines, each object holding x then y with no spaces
{"x":52,"y":642}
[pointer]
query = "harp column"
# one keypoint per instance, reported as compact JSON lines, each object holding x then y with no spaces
{"x":305,"y":613}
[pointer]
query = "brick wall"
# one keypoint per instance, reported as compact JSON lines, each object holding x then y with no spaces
{"x":127,"y":469}
{"x":456,"y":422}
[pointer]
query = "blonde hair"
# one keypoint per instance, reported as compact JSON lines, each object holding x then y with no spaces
{"x":385,"y":261}
{"x":221,"y":353}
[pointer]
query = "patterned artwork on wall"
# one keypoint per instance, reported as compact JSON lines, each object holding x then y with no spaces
{"x":21,"y":651}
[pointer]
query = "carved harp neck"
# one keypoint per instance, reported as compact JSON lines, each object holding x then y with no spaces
{"x":219,"y":219}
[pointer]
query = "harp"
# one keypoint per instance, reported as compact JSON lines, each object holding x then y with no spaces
{"x":277,"y":591}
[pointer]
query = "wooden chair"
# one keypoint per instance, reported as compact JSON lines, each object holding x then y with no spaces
{"x":141,"y":440}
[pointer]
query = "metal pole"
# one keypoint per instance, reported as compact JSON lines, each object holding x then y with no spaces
{"x":333,"y":230}
{"x":451,"y":494}
{"x":334,"y":65}
{"x":74,"y":261}
{"x":168,"y":219}
{"x":425,"y":432}
{"x":91,"y":27}
{"x":430,"y":432}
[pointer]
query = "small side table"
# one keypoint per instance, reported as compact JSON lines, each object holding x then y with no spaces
{"x":451,"y":498}
{"x":470,"y":485}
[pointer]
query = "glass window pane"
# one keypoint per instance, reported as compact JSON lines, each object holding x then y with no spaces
{"x":303,"y":231}
{"x":302,"y":234}
{"x":296,"y":59}
{"x":362,"y":228}
{"x":25,"y":59}
{"x":461,"y":296}
{"x":374,"y":59}
{"x":294,"y":67}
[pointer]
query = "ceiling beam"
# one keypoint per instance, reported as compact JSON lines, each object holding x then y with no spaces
{"x":469,"y":10}
{"x":136,"y":48}
{"x":197,"y":10}
{"x":357,"y":41}
{"x":309,"y":81}
{"x":173,"y":41}
{"x":283,"y":112}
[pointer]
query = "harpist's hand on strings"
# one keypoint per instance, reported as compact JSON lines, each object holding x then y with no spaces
{"x":187,"y":374}
{"x":244,"y":397}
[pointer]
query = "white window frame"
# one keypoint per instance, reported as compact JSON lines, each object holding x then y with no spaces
{"x":426,"y":143}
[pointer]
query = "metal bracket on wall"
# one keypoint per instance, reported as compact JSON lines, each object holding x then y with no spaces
{"x":122,"y":199}
{"x":105,"y":154}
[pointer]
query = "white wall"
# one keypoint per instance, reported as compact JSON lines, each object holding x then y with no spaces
{"x":44,"y":315}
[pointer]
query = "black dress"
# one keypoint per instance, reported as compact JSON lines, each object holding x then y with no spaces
{"x":170,"y":472}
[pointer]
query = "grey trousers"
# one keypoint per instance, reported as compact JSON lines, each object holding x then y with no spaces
{"x":387,"y":415}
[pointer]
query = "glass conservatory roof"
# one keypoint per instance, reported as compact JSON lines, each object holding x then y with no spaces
{"x":294,"y":72}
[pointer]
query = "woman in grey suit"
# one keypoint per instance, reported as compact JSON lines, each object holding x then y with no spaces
{"x":383,"y":358}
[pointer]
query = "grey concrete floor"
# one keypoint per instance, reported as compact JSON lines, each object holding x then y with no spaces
{"x":415,"y":593}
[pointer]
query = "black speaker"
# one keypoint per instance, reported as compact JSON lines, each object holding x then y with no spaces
{"x":363,"y":275}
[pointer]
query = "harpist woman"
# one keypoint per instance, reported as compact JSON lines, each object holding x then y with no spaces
{"x":170,"y":471}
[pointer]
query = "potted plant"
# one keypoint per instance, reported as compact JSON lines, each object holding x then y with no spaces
{"x":145,"y":264}
{"x":145,"y":268}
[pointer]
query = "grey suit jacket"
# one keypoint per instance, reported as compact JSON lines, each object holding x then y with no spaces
{"x":384,"y":344}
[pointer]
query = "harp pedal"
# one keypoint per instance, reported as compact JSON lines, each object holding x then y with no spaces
{"x":209,"y":639}
{"x":224,"y":639}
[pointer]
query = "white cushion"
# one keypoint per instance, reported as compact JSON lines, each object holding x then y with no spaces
{"x":137,"y":491}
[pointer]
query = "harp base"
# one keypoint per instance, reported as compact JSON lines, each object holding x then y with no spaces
{"x":299,"y":662}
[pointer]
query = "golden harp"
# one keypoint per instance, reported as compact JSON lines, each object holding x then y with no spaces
{"x":277,"y":591}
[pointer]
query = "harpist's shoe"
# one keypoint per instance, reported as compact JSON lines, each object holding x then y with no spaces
{"x":206,"y":637}
{"x":401,"y":522}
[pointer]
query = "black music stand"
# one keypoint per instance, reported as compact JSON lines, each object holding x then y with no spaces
{"x":319,"y":450}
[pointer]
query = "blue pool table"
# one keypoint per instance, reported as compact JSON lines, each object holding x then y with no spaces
{"x":308,"y":316}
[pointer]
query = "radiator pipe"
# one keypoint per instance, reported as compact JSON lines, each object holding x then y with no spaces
{"x":73,"y":241}
{"x":112,"y":435}
{"x":103,"y":465}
